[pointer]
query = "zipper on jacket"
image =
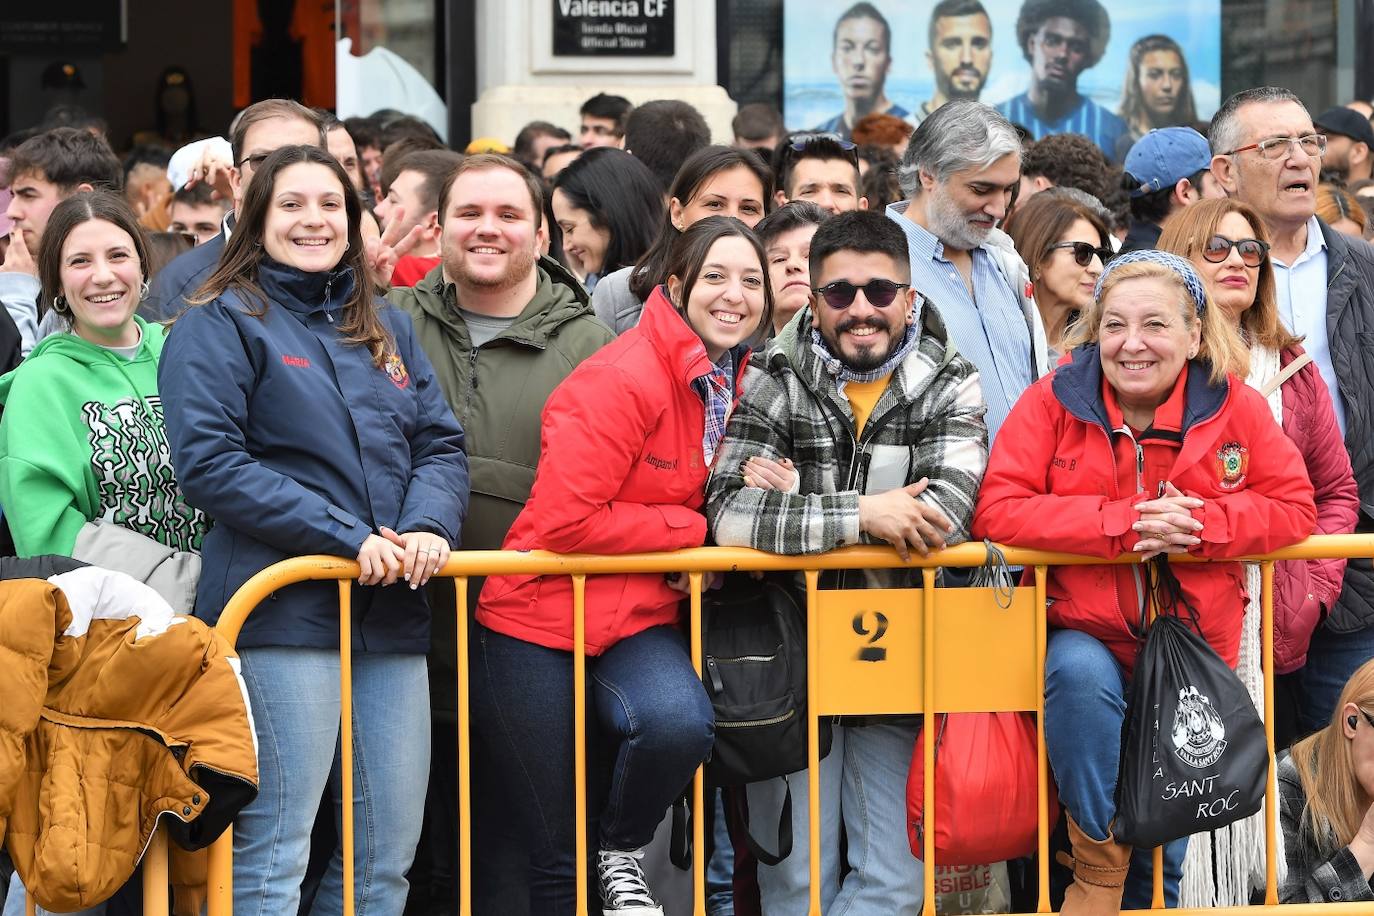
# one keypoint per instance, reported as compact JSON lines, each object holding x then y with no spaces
{"x":472,"y":382}
{"x":851,"y":476}
{"x":1139,"y":488}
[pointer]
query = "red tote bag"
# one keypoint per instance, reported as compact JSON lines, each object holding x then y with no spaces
{"x":985,"y":789}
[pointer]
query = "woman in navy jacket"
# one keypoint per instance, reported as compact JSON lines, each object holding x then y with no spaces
{"x":303,"y":419}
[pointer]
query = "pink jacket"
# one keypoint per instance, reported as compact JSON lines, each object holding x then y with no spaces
{"x":1305,"y":590}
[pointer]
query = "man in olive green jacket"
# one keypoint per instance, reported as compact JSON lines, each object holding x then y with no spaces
{"x":503,"y":327}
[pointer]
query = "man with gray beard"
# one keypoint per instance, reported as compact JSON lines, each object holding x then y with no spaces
{"x":502,"y":327}
{"x":959,"y":172}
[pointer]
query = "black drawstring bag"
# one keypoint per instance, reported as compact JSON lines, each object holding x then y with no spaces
{"x":1193,"y":752}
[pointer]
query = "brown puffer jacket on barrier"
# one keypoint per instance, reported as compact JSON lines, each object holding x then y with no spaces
{"x":113,"y":712}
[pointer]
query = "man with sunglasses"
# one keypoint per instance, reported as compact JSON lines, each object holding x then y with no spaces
{"x":821,"y":168}
{"x":883,"y":421}
{"x":862,"y":57}
{"x":1268,"y":153}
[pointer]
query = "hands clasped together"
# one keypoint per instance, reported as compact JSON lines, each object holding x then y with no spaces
{"x":416,"y":555}
{"x":1166,"y":524}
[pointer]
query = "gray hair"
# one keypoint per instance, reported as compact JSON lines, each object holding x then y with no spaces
{"x":958,"y":135}
{"x":1083,"y":198}
{"x":1225,"y":134}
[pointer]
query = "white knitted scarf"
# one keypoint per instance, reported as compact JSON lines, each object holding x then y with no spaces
{"x":1223,"y":866}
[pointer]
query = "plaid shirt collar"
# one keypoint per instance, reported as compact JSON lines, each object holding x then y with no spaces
{"x":716,"y":389}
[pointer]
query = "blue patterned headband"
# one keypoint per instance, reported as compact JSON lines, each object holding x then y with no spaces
{"x":1191,"y":281}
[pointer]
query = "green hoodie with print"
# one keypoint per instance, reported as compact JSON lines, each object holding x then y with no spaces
{"x":82,"y":440}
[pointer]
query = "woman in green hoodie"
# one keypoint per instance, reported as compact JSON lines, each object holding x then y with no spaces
{"x":84,"y":466}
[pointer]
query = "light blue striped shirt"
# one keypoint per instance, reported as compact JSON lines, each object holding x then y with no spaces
{"x":988,"y":328}
{"x":1088,"y":118}
{"x":1301,"y":291}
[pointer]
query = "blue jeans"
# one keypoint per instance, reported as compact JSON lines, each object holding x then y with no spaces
{"x":720,"y":869}
{"x":1085,"y":708}
{"x":649,"y":725}
{"x":295,"y":700}
{"x":863,"y":782}
{"x":1331,"y":659}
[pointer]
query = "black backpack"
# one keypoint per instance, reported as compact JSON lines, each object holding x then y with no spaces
{"x":754,"y":666}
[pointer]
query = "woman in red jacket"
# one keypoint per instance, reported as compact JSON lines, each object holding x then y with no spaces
{"x":1144,"y":440}
{"x":627,"y":442}
{"x":1228,"y":245}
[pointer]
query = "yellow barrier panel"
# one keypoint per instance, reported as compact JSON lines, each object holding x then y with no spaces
{"x":926,"y":686}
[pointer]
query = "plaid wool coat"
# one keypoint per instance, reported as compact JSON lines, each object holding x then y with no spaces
{"x":928,"y":423}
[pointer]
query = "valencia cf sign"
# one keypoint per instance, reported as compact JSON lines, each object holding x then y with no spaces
{"x":613,"y":28}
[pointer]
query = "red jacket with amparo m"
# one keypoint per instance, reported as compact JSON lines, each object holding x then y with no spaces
{"x":621,"y":470}
{"x":1066,"y":474}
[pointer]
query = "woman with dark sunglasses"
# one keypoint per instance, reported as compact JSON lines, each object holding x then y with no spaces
{"x":1065,"y":244}
{"x":1227,"y":244}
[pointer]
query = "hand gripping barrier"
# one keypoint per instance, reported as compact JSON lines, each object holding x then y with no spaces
{"x":941,"y":651}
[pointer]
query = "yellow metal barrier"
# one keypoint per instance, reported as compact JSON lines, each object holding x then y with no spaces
{"x":918,"y":680}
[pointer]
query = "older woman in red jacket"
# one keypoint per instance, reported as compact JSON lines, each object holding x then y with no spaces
{"x":1142,"y":440}
{"x":627,"y":441}
{"x":1229,"y":246}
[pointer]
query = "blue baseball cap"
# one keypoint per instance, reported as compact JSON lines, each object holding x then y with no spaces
{"x":1162,"y":157}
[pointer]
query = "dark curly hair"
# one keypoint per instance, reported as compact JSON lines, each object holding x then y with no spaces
{"x":1089,"y":13}
{"x":1069,"y":161}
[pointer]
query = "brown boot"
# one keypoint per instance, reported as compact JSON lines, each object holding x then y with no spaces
{"x":1099,"y":874}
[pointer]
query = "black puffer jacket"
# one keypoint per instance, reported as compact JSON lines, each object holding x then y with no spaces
{"x":1350,"y":328}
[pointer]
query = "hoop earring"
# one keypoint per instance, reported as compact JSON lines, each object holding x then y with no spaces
{"x":345,"y":244}
{"x":60,"y":306}
{"x":143,"y":290}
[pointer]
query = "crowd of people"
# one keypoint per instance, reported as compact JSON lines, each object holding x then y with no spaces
{"x":325,"y":337}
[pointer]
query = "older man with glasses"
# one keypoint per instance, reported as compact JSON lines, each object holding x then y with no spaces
{"x":1267,"y":153}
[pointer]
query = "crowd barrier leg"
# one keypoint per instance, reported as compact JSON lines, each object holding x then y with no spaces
{"x":221,"y":878}
{"x":464,"y":876}
{"x":1271,"y":894}
{"x":1042,"y":904}
{"x":579,"y":584}
{"x":1157,"y":902}
{"x":155,"y":897}
{"x":346,"y":738}
{"x":698,"y":783}
{"x":928,"y":745}
{"x":813,"y":741}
